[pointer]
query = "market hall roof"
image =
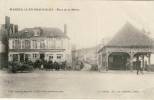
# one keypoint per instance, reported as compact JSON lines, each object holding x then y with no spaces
{"x":41,"y":32}
{"x":130,"y":36}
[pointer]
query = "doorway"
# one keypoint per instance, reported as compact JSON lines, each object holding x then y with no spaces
{"x":42,"y":56}
{"x":21,"y":57}
{"x":118,"y":61}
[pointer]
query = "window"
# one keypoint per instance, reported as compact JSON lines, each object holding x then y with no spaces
{"x":27,"y":44}
{"x":51,"y":43}
{"x":21,"y":56}
{"x":42,"y":44}
{"x":34,"y":55}
{"x":15,"y":57}
{"x":16,"y":44}
{"x":59,"y":56}
{"x":19,"y":44}
{"x":34,"y":44}
{"x":58,"y":43}
{"x":23,"y":44}
{"x":27,"y":56}
{"x":50,"y":57}
{"x":36,"y":32}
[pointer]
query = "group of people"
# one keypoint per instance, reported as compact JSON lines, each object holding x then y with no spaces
{"x":49,"y":65}
{"x":139,"y":64}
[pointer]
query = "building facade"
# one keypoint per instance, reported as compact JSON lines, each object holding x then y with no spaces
{"x":127,"y":46}
{"x":40,"y":43}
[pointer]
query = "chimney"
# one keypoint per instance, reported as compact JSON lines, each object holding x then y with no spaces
{"x":16,"y":28}
{"x":7,"y":22}
{"x":11,"y":28}
{"x":65,"y":28}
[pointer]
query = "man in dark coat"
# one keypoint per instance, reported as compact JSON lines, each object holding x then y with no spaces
{"x":138,"y":66}
{"x":50,"y":65}
{"x":56,"y":65}
{"x":63,"y":65}
{"x":45,"y":64}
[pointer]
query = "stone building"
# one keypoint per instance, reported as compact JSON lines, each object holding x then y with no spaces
{"x":5,"y":30}
{"x":86,"y":54}
{"x":40,"y":43}
{"x":127,"y":45}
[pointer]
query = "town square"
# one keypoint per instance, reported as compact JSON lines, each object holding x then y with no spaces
{"x":77,"y":84}
{"x":77,"y":50}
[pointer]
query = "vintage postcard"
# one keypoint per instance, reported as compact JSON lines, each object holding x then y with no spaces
{"x":67,"y":49}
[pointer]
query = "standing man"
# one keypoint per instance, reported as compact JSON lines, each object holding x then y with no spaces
{"x":138,"y":66}
{"x":50,"y":65}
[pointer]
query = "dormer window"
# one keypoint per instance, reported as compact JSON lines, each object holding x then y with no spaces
{"x":26,"y":31}
{"x":36,"y":32}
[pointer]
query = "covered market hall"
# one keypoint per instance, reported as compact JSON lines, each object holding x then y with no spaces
{"x":124,"y":48}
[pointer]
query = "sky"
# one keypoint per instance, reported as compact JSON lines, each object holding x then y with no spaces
{"x":89,"y":24}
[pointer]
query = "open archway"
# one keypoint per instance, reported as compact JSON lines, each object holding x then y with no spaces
{"x":118,"y":61}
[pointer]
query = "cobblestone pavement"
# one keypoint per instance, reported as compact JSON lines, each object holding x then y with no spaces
{"x":77,"y":84}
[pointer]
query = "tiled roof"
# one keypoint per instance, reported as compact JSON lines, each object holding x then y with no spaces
{"x":129,"y":36}
{"x":44,"y":32}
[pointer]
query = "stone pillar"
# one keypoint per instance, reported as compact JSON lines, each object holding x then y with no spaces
{"x":10,"y":57}
{"x":46,"y":57}
{"x":149,"y":59}
{"x":30,"y":56}
{"x":101,"y":62}
{"x":18,"y":57}
{"x":107,"y":61}
{"x":131,"y":60}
